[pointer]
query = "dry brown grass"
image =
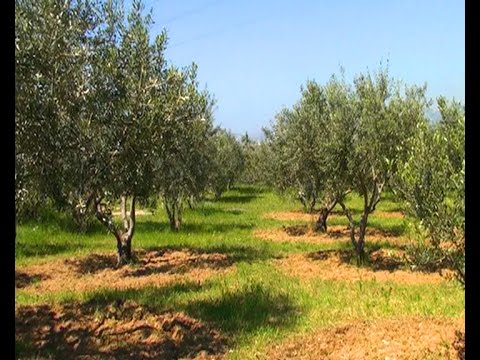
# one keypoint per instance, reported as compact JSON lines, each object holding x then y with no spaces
{"x":138,"y":212}
{"x":301,"y":216}
{"x":123,"y":330}
{"x":334,"y":234}
{"x":335,"y":265}
{"x":404,"y":338}
{"x":95,"y":271}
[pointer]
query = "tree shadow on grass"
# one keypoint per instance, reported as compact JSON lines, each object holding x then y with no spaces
{"x":112,"y":328}
{"x":250,"y":190}
{"x":134,"y":315}
{"x":23,"y":279}
{"x":388,"y":230}
{"x":148,"y":227}
{"x":239,"y":199}
{"x":246,"y":310}
{"x":234,"y":311}
{"x":209,"y":211}
{"x":377,"y":259}
{"x":29,"y":249}
{"x":175,"y":259}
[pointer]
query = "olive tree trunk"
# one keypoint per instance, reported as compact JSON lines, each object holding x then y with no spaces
{"x":358,"y":240}
{"x":370,"y":201}
{"x":174,"y":213}
{"x":123,"y":236}
{"x":321,"y":223}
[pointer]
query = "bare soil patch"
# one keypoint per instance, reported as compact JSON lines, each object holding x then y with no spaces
{"x":301,"y":216}
{"x":335,"y":233}
{"x":389,"y":214}
{"x":121,"y":330}
{"x":158,"y":267}
{"x":296,"y":230}
{"x":290,"y":216}
{"x":404,"y":338}
{"x":23,"y":279}
{"x":385,"y":265}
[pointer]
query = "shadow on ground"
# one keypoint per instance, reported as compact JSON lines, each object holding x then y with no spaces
{"x":246,"y":310}
{"x":376,"y":259}
{"x":250,"y":190}
{"x":142,"y":324}
{"x":23,"y":279}
{"x":240,"y":199}
{"x":168,"y":260}
{"x":123,"y":330}
{"x":149,"y":227}
{"x":42,"y":249}
{"x":209,"y":211}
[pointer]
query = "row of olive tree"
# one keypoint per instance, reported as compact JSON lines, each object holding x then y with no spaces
{"x":340,"y":138}
{"x":229,"y":162}
{"x":309,"y":144}
{"x":100,"y":116}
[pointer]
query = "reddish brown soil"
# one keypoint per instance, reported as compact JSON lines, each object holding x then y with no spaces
{"x":385,"y":265}
{"x":301,"y":216}
{"x":121,"y":330}
{"x":405,"y":338}
{"x":98,"y":270}
{"x":292,"y":216}
{"x":388,"y":214}
{"x":335,"y":233}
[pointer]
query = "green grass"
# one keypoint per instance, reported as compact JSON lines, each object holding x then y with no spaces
{"x":257,"y":304}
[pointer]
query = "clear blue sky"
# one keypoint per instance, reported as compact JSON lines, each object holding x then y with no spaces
{"x":254,"y":55}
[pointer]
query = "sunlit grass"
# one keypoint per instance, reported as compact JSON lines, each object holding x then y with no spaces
{"x":256,"y":304}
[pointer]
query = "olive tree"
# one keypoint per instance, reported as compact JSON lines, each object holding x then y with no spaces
{"x":52,"y":50}
{"x":228,"y":162}
{"x":127,"y":75}
{"x":185,"y":148}
{"x":309,"y":144}
{"x":432,"y":181}
{"x":383,"y":122}
{"x":256,"y":161}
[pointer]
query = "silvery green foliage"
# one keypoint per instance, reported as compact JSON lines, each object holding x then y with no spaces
{"x":100,"y":115}
{"x":184,"y":150}
{"x":258,"y":162}
{"x":339,"y":138}
{"x":432,"y":181}
{"x":384,"y":121}
{"x":52,"y":50}
{"x":310,"y":144}
{"x":228,"y":162}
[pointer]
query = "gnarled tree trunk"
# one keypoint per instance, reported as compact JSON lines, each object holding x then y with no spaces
{"x":123,"y":237}
{"x":370,"y":201}
{"x":358,"y":243}
{"x":321,"y":223}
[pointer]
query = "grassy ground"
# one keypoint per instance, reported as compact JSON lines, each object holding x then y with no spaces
{"x":255,"y":305}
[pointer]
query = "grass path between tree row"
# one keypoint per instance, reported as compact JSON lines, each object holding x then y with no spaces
{"x":231,"y":284}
